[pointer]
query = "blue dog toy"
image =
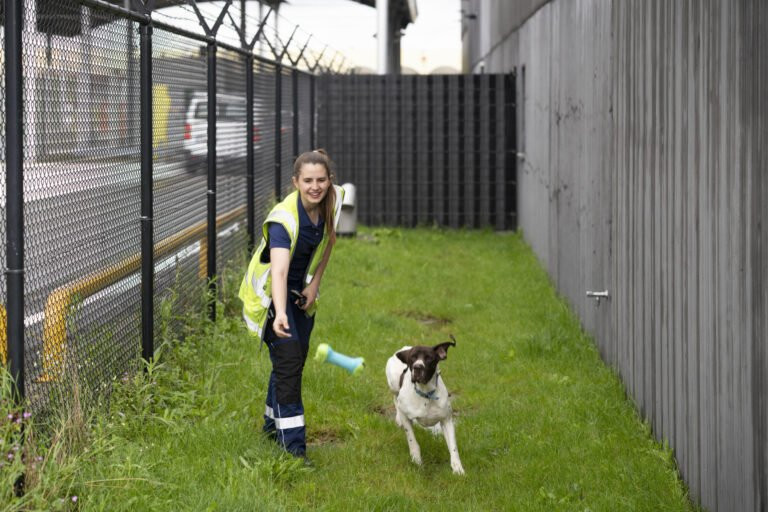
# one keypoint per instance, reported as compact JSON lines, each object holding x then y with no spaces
{"x":325,"y":353}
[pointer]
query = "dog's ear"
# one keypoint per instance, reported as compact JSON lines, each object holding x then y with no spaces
{"x":442,"y":349}
{"x":404,"y":356}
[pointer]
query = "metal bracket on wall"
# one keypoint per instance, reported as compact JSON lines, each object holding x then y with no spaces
{"x":598,"y":295}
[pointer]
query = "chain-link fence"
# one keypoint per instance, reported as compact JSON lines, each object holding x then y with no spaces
{"x":148,"y":157}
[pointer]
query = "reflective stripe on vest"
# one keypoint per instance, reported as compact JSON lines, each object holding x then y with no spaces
{"x":259,"y":286}
{"x":252,"y":326}
{"x":337,"y":207}
{"x":284,"y":217}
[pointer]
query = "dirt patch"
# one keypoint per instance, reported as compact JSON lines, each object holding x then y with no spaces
{"x":427,"y":319}
{"x":388,"y":411}
{"x":367,"y":237}
{"x":322,"y":436}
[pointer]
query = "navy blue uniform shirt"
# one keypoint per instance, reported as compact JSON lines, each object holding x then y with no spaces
{"x":310,"y":236}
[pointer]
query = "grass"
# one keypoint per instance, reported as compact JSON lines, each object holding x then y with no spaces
{"x":542,"y":423}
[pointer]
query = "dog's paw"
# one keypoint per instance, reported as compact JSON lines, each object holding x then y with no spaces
{"x":458,"y":470}
{"x":416,"y":459}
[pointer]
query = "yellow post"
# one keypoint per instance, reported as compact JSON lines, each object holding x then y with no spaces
{"x":3,"y":334}
{"x":202,"y":266}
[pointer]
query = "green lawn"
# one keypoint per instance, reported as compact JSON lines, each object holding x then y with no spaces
{"x":542,"y":423}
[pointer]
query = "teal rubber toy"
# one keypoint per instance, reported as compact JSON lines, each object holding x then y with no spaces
{"x":325,"y":354}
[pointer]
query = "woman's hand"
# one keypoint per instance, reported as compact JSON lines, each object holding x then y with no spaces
{"x":310,"y":292}
{"x":281,"y":326}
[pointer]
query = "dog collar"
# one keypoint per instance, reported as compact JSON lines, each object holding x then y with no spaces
{"x":431,"y":394}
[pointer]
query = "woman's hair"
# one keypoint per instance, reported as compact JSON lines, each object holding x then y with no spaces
{"x":327,"y":206}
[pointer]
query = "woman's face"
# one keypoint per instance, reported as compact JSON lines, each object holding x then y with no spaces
{"x":313,"y":183}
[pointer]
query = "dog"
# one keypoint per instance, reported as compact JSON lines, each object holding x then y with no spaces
{"x":421,"y":396}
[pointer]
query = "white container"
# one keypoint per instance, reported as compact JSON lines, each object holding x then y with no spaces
{"x":348,"y":217}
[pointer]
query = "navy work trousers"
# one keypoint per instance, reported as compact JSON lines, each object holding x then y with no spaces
{"x":284,"y":411}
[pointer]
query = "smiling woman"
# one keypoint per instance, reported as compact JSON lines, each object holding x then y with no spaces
{"x":298,"y":235}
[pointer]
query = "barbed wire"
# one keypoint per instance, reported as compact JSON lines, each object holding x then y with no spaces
{"x":279,"y":33}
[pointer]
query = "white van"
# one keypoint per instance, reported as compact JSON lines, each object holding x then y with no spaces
{"x":230,"y":130}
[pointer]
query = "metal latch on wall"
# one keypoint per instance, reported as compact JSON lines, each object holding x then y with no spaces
{"x":598,"y":295}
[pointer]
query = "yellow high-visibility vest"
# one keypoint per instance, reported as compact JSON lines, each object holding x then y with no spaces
{"x":256,"y":288}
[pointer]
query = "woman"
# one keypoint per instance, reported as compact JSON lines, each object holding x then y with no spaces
{"x":280,"y":289}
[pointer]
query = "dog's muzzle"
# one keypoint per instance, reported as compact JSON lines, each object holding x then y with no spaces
{"x":418,"y":373}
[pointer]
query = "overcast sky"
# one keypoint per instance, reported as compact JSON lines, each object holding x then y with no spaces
{"x":433,"y":40}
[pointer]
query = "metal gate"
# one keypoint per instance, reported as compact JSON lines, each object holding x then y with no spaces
{"x":424,"y":149}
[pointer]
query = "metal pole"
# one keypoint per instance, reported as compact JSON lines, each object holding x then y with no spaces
{"x":131,"y":72}
{"x":510,"y":156}
{"x":295,"y":91}
{"x":14,"y":157}
{"x":261,"y":22}
{"x":249,"y":177}
{"x":147,"y":200}
{"x":211,"y":235}
{"x":382,"y":36}
{"x":278,"y":128}
{"x":243,"y":18}
{"x":311,"y":111}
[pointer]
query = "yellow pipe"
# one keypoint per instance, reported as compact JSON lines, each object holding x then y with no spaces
{"x":3,"y":335}
{"x":59,"y":301}
{"x":202,"y":266}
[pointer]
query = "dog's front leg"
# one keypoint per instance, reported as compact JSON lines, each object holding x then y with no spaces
{"x":413,"y":445}
{"x":450,"y":440}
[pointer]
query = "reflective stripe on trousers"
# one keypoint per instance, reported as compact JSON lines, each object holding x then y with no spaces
{"x":285,"y":420}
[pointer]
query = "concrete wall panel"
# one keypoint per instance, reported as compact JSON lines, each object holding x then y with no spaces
{"x":643,"y":126}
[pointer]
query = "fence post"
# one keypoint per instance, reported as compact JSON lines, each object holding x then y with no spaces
{"x":147,"y":199}
{"x":278,"y":128}
{"x":494,"y":216}
{"x":510,"y":154}
{"x":295,"y":128}
{"x":211,"y":234}
{"x":312,"y":111}
{"x":249,"y":177}
{"x":14,"y":158}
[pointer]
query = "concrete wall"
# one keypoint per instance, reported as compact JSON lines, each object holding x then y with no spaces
{"x":487,"y":24}
{"x":643,"y":126}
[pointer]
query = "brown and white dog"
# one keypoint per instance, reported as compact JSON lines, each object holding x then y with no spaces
{"x":421,"y":396}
